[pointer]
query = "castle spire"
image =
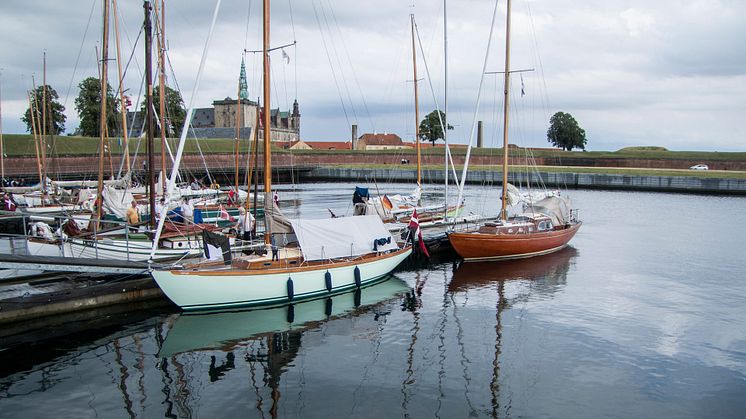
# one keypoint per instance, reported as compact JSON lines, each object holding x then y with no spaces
{"x":243,"y":92}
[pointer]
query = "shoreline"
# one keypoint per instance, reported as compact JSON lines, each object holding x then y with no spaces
{"x":600,"y":181}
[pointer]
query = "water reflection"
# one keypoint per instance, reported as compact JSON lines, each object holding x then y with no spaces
{"x":550,"y":269}
{"x":266,"y":340}
{"x":546,"y":274}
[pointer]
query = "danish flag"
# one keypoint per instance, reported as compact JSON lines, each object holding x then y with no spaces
{"x":414,"y":224}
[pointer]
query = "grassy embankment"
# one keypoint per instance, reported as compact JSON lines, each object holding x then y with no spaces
{"x":23,"y":145}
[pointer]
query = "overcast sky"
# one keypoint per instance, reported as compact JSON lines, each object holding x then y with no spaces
{"x":667,"y":73}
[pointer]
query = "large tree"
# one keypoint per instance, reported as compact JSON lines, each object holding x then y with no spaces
{"x":88,"y":106}
{"x":175,"y":111}
{"x":564,"y":132}
{"x":55,"y":118}
{"x":431,"y":128}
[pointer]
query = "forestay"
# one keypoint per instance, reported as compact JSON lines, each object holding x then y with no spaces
{"x":341,"y":237}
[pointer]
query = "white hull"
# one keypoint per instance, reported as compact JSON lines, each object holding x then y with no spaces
{"x":110,"y":249}
{"x":218,"y":288}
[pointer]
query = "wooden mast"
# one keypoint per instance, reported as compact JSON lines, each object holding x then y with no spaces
{"x":2,"y":150}
{"x":162,"y":88}
{"x":44,"y":126}
{"x":33,"y":110}
{"x":102,"y":115}
{"x":238,"y":136}
{"x":506,"y":105}
{"x":416,"y":108}
{"x":121,"y":90}
{"x":149,"y":110}
{"x":267,"y":130}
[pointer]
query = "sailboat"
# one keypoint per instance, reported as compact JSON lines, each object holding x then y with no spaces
{"x":546,"y":226}
{"x":319,"y":257}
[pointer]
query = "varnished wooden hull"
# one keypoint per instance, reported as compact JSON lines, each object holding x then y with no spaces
{"x":475,"y":246}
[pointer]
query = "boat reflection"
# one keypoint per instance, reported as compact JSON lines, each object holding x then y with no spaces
{"x":545,"y":273}
{"x":552,"y":268}
{"x":223,"y":330}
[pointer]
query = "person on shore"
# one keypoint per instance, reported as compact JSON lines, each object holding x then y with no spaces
{"x":132,"y":215}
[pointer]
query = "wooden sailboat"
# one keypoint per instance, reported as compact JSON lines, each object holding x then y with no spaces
{"x":320,"y":257}
{"x":546,"y":227}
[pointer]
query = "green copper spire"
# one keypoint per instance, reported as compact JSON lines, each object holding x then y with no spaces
{"x":243,"y":87}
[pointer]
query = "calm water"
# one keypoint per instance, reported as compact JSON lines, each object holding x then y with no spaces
{"x":644,"y":316}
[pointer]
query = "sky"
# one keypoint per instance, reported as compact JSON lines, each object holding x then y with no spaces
{"x":632,"y":73}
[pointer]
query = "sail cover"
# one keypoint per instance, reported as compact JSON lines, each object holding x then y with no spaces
{"x":556,"y":207}
{"x":342,"y":237}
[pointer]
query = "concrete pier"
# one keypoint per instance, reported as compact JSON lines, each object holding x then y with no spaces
{"x":685,"y":184}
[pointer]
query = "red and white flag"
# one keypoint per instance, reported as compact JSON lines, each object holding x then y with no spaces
{"x":224,"y":214}
{"x":414,"y":225}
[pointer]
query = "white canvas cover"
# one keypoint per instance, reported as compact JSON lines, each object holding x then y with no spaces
{"x":556,"y":207}
{"x":341,"y":237}
{"x":116,"y":201}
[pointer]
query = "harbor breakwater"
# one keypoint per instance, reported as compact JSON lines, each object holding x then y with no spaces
{"x":686,"y":184}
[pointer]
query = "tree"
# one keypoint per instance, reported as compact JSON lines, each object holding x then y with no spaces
{"x":88,"y":106}
{"x":175,"y":111}
{"x":431,"y":128}
{"x":564,"y":132}
{"x":55,"y":117}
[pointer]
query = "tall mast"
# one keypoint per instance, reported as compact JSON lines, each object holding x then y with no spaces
{"x":102,"y":115}
{"x":34,"y":121}
{"x":445,"y":103}
{"x":121,"y":89}
{"x":416,"y":108}
{"x":238,"y":134}
{"x":506,"y":106}
{"x":2,"y":162}
{"x":44,"y":126}
{"x":162,"y":88}
{"x":267,"y":130}
{"x":149,"y":109}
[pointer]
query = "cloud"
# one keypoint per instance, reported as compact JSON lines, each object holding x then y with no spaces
{"x":632,"y":72}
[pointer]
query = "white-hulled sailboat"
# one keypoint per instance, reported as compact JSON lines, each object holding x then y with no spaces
{"x":320,"y":256}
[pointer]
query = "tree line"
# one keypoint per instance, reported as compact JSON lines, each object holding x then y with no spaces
{"x":564,"y":131}
{"x":88,"y":108}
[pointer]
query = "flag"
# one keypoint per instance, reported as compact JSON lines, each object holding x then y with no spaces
{"x":285,"y":56}
{"x":224,"y":215}
{"x":414,"y":227}
{"x":523,"y":87}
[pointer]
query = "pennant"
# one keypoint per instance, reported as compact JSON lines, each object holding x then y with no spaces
{"x":523,"y":87}
{"x":285,"y":56}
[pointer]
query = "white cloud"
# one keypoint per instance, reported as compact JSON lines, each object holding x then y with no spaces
{"x":668,"y":73}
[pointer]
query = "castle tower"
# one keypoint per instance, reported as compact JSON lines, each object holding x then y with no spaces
{"x":295,"y":117}
{"x":243,"y":87}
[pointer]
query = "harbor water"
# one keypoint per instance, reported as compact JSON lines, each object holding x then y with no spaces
{"x":642,"y":316}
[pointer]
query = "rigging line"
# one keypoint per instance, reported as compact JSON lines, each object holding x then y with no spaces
{"x":479,"y":97}
{"x":295,"y":49}
{"x":354,"y":73}
{"x":437,"y":106}
{"x":334,"y":74}
{"x":248,"y":19}
{"x":339,"y":62}
{"x":80,"y":51}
